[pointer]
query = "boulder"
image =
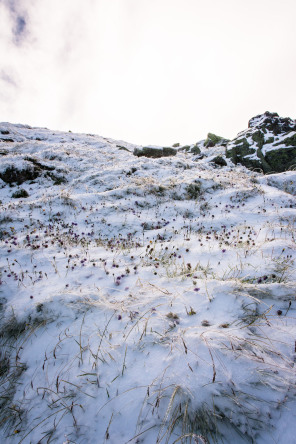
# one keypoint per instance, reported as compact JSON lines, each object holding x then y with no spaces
{"x":219,"y":161}
{"x":213,"y":140}
{"x":155,"y":152}
{"x":195,"y":150}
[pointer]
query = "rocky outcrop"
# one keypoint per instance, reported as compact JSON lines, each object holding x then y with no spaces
{"x":273,"y":123}
{"x":269,"y":144}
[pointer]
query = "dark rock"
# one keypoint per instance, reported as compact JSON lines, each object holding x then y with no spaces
{"x":154,"y":152}
{"x":240,"y":150}
{"x":209,"y":143}
{"x":288,"y":141}
{"x":213,"y":140}
{"x":270,"y":140}
{"x":219,"y":161}
{"x":273,"y":123}
{"x":199,"y":157}
{"x":195,"y":150}
{"x":258,"y":137}
{"x":282,"y":159}
{"x":254,"y":120}
{"x":132,"y":171}
{"x":169,"y":151}
{"x":265,"y":167}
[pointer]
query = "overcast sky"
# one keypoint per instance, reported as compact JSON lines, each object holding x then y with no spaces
{"x":147,"y":71}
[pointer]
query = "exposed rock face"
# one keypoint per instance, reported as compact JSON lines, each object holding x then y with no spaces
{"x":273,"y":123}
{"x":269,"y":144}
{"x":156,"y":152}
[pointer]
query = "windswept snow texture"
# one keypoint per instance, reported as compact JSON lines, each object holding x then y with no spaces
{"x":143,"y":300}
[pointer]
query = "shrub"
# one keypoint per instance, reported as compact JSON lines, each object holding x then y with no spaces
{"x":13,"y":175}
{"x":21,"y":193}
{"x":193,"y":190}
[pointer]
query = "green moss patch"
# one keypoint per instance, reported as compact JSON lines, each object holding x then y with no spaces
{"x":213,"y":140}
{"x":282,"y":159}
{"x":288,"y":141}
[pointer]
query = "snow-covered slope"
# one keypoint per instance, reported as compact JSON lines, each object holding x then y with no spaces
{"x":143,"y":300}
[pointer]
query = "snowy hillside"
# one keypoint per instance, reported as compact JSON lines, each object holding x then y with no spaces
{"x":145,"y":299}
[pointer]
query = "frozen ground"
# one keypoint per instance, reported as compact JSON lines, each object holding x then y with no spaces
{"x":143,"y":300}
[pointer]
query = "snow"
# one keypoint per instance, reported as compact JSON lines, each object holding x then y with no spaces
{"x":144,"y":299}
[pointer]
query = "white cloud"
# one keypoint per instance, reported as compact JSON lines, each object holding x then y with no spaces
{"x":147,"y":71}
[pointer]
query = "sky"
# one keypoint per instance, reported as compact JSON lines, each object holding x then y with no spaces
{"x":147,"y":71}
